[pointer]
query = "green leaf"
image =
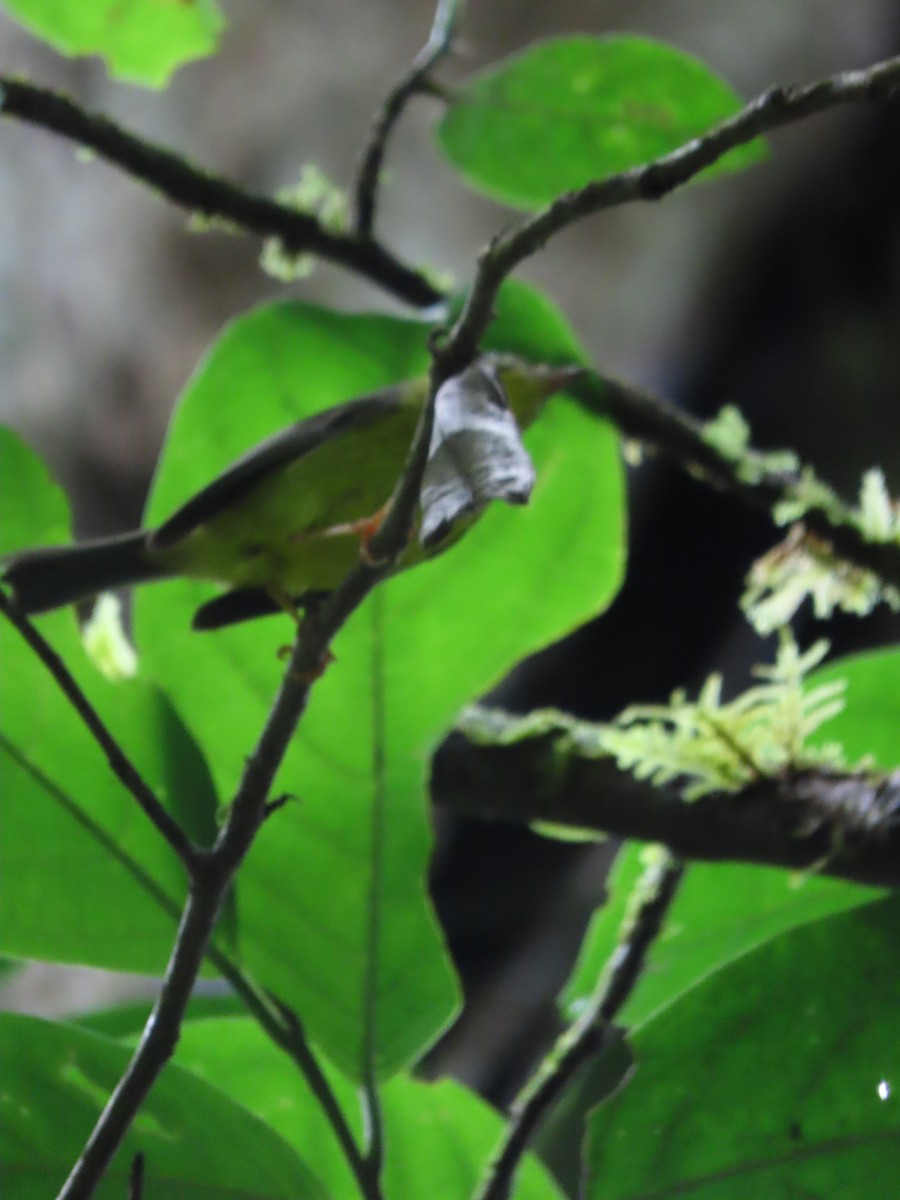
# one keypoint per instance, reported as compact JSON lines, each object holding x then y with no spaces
{"x":438,"y":1136}
{"x":870,"y":720}
{"x":34,"y":509}
{"x":81,"y":863}
{"x":127,"y":1020}
{"x":142,"y":41}
{"x":777,"y":1078}
{"x":719,"y":914}
{"x":573,"y":109}
{"x":332,"y":907}
{"x":195,"y":1141}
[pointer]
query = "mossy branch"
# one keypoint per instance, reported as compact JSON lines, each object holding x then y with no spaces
{"x":546,"y":769}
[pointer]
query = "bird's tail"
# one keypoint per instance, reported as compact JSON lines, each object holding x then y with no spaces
{"x":57,"y":575}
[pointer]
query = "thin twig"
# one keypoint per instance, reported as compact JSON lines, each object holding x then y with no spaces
{"x":391,"y":538}
{"x":368,"y":174}
{"x":214,"y":870}
{"x":120,"y":764}
{"x":645,"y":417}
{"x":288,"y":1033}
{"x":776,"y":107}
{"x":585,"y":1038}
{"x":155,"y":1048}
{"x":202,"y":192}
{"x":212,"y":878}
{"x":282,"y":1026}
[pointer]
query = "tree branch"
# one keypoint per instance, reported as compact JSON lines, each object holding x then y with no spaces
{"x":585,"y":1037}
{"x":200,"y":191}
{"x":214,"y":870}
{"x":843,"y":824}
{"x":211,"y":881}
{"x":414,"y":80}
{"x":652,"y":420}
{"x":287,"y":1032}
{"x":120,"y":764}
{"x":653,"y":180}
{"x":282,"y":1026}
{"x":156,"y":1046}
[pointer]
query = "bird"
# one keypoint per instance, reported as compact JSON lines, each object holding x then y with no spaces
{"x":282,"y":526}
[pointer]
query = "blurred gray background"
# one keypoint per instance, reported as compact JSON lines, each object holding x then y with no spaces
{"x":778,"y":289}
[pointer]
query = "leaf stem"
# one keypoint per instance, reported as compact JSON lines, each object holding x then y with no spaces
{"x":413,"y":81}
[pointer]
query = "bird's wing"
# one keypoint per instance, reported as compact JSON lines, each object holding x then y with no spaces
{"x":285,"y":447}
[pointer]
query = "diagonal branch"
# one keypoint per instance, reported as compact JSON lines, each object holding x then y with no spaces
{"x":276,"y":1019}
{"x":214,"y":870}
{"x":651,"y":181}
{"x":414,"y":80}
{"x":648,"y":418}
{"x":841,"y":823}
{"x":585,"y":1037}
{"x":211,"y":881}
{"x":200,"y":191}
{"x":120,"y":764}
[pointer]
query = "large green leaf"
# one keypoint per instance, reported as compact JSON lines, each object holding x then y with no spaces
{"x":34,"y":510}
{"x":438,"y":1136}
{"x":143,"y":41}
{"x":775,"y":1078}
{"x":332,"y":908}
{"x":719,"y":914}
{"x":80,"y":861}
{"x":573,"y":109}
{"x":870,"y":722}
{"x":195,"y":1141}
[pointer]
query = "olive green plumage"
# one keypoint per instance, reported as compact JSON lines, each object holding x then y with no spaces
{"x":277,"y":526}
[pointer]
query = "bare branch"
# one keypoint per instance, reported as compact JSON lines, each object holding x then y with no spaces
{"x":392,"y":536}
{"x":281,"y":1025}
{"x":652,"y":181}
{"x":414,"y":80}
{"x":585,"y":1037}
{"x":211,"y":880}
{"x":200,"y":191}
{"x":650,"y":419}
{"x":214,"y":870}
{"x":156,"y":1046}
{"x":843,"y":824}
{"x":120,"y":764}
{"x":288,"y":1033}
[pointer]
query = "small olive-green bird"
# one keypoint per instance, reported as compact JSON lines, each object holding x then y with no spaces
{"x":283,"y":524}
